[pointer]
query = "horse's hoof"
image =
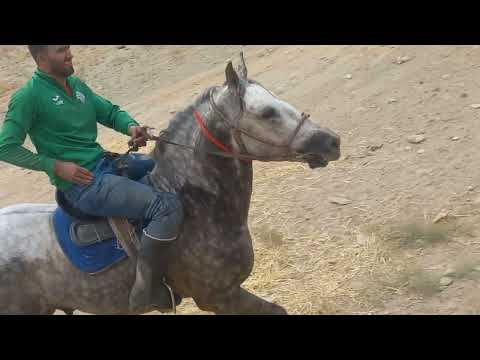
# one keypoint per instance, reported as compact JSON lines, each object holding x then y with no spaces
{"x":280,"y":311}
{"x":277,"y":310}
{"x":68,"y":311}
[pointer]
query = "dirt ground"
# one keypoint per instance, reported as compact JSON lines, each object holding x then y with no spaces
{"x":405,"y":240}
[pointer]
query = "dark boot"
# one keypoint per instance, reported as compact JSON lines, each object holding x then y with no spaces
{"x":149,"y":288}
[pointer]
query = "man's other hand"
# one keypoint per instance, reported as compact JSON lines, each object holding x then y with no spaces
{"x":73,"y":173}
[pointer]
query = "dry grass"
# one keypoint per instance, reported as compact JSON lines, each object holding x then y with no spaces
{"x":473,"y":311}
{"x":466,"y":268}
{"x":427,"y":283}
{"x":418,"y":234}
{"x":420,"y":281}
{"x":298,"y":263}
{"x":472,"y":305}
{"x":5,"y":88}
{"x":315,"y":275}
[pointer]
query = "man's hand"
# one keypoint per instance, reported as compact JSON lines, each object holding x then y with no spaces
{"x":72,"y":172}
{"x":139,"y":136}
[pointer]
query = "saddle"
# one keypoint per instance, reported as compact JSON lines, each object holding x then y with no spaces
{"x":87,"y":229}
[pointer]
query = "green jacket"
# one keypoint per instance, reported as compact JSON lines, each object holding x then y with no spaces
{"x":60,"y":127}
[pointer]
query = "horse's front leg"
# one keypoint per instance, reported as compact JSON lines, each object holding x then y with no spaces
{"x":239,"y":302}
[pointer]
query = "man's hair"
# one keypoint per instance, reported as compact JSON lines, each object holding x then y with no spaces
{"x":35,"y":50}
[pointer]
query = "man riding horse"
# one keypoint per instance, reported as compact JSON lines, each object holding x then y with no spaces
{"x":60,"y":114}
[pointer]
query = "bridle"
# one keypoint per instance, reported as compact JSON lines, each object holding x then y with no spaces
{"x":237,"y":134}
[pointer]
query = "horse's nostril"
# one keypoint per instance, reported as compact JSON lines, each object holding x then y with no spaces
{"x":335,"y":144}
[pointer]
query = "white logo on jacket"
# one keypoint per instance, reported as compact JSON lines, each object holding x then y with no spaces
{"x":80,"y":96}
{"x":57,"y":100}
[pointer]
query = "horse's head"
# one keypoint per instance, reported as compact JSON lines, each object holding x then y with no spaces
{"x":271,"y":129}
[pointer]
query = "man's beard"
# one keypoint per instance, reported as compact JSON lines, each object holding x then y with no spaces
{"x":63,"y":71}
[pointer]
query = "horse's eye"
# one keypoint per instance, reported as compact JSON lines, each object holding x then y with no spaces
{"x":269,"y":112}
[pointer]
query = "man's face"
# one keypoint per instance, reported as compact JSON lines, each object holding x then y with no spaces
{"x":58,"y":60}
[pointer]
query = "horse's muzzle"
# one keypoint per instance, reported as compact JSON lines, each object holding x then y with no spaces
{"x":321,"y":147}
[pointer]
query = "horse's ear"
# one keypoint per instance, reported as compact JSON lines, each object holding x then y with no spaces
{"x":242,"y":68}
{"x":233,"y":81}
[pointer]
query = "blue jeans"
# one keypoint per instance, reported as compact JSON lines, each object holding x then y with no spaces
{"x":110,"y":195}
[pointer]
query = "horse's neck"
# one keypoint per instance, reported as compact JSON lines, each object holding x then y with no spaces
{"x":216,"y":183}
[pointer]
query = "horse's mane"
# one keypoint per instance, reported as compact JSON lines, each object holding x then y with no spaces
{"x":184,"y":116}
{"x":179,"y":128}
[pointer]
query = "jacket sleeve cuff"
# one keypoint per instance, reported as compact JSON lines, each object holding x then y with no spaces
{"x":48,"y":165}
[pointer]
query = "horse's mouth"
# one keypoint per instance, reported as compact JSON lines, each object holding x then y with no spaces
{"x":315,"y":161}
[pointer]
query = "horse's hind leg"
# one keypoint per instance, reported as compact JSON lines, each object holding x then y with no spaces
{"x":239,"y":302}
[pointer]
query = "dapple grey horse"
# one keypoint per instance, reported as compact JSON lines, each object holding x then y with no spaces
{"x":205,"y":156}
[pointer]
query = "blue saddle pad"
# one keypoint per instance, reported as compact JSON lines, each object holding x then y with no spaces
{"x":92,"y":258}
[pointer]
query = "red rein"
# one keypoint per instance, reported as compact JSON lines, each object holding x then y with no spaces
{"x":212,"y":138}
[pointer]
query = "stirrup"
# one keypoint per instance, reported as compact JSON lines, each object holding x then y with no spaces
{"x":172,"y":297}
